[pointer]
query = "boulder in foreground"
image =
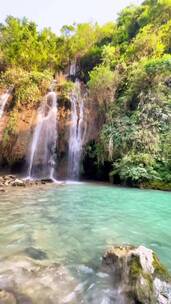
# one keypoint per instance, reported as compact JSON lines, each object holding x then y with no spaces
{"x":139,"y":274}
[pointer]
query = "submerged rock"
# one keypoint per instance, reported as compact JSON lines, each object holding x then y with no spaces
{"x":35,"y":253}
{"x":25,"y":281}
{"x":7,"y":297}
{"x":85,"y":269}
{"x":129,"y":275}
{"x":139,"y":274}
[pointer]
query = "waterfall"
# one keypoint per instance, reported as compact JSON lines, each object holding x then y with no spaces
{"x":77,"y":131}
{"x":3,"y":100}
{"x":42,"y":155}
{"x":73,"y":68}
{"x":110,"y":148}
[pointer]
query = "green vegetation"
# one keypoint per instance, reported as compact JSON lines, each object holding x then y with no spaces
{"x":10,"y":130}
{"x":29,"y":86}
{"x":136,"y":135}
{"x":9,"y":137}
{"x":135,"y":268}
{"x":126,"y":66}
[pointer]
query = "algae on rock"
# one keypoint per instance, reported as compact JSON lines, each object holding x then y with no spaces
{"x":139,"y":274}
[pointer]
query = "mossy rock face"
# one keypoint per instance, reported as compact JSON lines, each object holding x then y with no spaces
{"x":159,"y":269}
{"x":135,"y":268}
{"x":158,"y":185}
{"x":139,"y":274}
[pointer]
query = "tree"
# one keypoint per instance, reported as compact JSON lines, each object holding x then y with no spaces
{"x":101,"y":85}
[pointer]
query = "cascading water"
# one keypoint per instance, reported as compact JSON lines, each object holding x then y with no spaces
{"x":42,"y":155}
{"x":3,"y":100}
{"x":77,"y":132}
{"x":73,"y":68}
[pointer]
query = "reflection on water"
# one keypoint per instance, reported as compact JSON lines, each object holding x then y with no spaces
{"x":73,"y":224}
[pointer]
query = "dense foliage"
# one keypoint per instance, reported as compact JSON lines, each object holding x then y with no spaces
{"x":127,"y":68}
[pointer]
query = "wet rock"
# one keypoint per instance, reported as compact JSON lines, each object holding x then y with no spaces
{"x":11,"y":176}
{"x":35,"y":282}
{"x":85,"y":269}
{"x":139,"y":274}
{"x":69,"y":298}
{"x":46,"y":180}
{"x":102,"y":275}
{"x":7,"y":297}
{"x":14,"y":181}
{"x":43,"y":182}
{"x":22,"y":299}
{"x":18,"y":183}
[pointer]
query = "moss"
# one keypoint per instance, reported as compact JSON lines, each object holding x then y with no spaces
{"x":65,"y":88}
{"x":160,"y":270}
{"x":149,"y":280}
{"x":29,"y":86}
{"x":135,"y":267}
{"x":158,"y":185}
{"x":141,"y":293}
{"x":9,"y":137}
{"x":136,"y":271}
{"x":10,"y":129}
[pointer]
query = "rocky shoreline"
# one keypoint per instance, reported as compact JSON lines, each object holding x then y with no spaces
{"x":11,"y":180}
{"x":15,"y":181}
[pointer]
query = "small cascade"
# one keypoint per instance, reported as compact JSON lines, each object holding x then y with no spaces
{"x":110,"y":148}
{"x":3,"y":100}
{"x":77,"y":132}
{"x":42,"y":157}
{"x":73,"y":68}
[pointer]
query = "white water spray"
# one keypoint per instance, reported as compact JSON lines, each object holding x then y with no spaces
{"x":110,"y":148}
{"x":77,"y":132}
{"x":42,"y":155}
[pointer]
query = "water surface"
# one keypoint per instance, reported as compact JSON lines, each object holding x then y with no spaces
{"x":73,"y":224}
